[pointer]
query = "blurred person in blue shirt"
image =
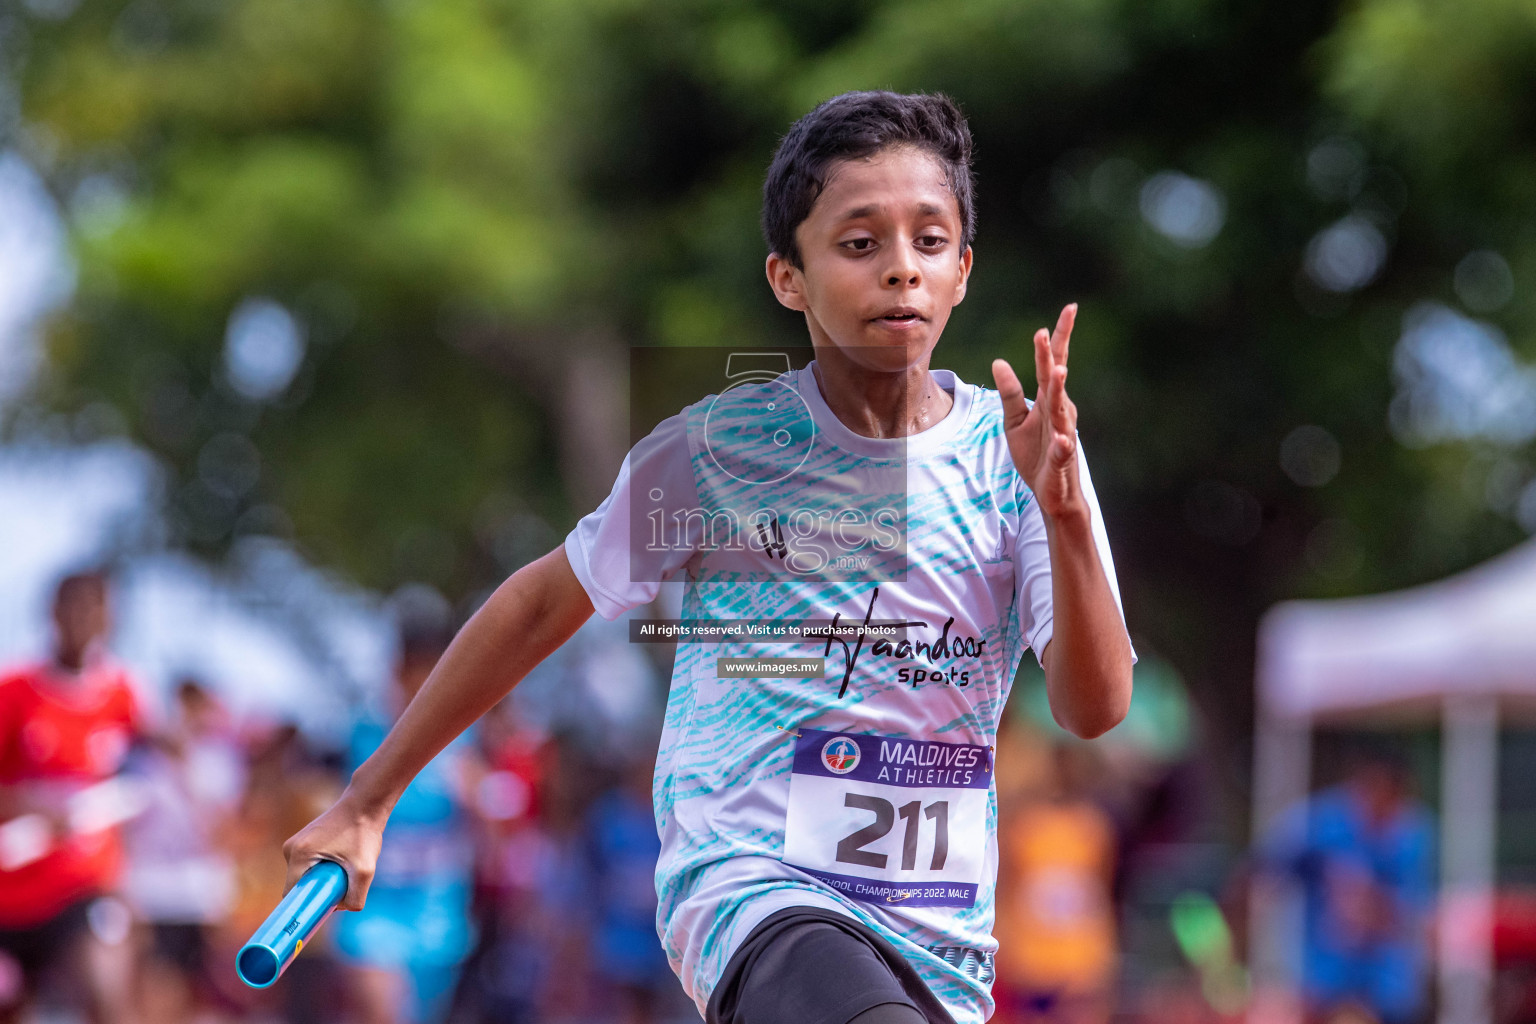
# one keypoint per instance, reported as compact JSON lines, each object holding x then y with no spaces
{"x":1363,"y":853}
{"x":622,"y":848}
{"x":406,"y":947}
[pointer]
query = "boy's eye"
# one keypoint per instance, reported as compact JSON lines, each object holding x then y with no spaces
{"x":859,"y":244}
{"x":931,"y":241}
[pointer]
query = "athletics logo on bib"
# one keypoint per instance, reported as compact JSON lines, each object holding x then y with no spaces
{"x":841,"y":755}
{"x":847,"y":795}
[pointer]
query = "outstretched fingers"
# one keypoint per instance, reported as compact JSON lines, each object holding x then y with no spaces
{"x":1051,"y":348}
{"x":1044,"y":360}
{"x":1011,"y":392}
{"x":1051,"y":376}
{"x":1061,"y":338}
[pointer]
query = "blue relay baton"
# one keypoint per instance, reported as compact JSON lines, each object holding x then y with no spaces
{"x":263,"y":959}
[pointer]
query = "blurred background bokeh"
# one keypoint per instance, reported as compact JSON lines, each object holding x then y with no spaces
{"x":314,"y":325}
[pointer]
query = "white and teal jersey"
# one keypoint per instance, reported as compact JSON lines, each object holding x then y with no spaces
{"x":866,"y":790}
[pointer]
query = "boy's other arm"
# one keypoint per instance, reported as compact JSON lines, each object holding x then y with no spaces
{"x":1088,"y":660}
{"x":531,"y":614}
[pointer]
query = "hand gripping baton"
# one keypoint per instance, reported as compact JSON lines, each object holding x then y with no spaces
{"x":263,"y":959}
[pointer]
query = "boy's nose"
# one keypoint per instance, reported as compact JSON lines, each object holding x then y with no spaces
{"x":901,"y":268}
{"x":903,"y":271}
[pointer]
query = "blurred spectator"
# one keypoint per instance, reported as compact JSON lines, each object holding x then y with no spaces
{"x":1055,"y":922}
{"x":1514,"y":950}
{"x":180,"y":879}
{"x":405,"y":947}
{"x":66,"y":726}
{"x":287,"y":784}
{"x":622,"y":848}
{"x":507,"y":795}
{"x":1363,"y":852}
{"x":547,"y":964}
{"x":515,"y":854}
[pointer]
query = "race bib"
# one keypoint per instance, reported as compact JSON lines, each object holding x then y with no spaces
{"x":887,"y":820}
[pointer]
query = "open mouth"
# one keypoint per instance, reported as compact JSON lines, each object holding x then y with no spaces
{"x":898,"y":318}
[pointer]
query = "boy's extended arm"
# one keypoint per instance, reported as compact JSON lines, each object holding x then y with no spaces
{"x":1088,"y":660}
{"x":523,"y":622}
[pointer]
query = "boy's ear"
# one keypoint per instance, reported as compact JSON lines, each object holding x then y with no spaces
{"x":965,"y":274}
{"x":786,"y":281}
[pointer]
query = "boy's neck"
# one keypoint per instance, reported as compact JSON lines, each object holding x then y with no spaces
{"x":876,"y":404}
{"x":70,"y":660}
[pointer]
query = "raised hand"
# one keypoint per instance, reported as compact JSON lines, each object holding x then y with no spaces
{"x":1043,"y":438}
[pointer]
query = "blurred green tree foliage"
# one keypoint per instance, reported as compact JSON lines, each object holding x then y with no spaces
{"x":463,"y":211}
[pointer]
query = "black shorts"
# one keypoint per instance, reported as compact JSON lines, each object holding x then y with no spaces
{"x":39,"y":947}
{"x":804,"y":965}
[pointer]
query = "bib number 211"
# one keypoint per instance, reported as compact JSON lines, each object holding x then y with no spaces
{"x":850,"y":849}
{"x":889,"y":820}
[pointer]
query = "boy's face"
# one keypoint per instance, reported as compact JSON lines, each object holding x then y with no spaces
{"x":80,"y":617}
{"x":883,"y":262}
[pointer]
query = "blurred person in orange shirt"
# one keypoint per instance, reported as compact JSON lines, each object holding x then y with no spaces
{"x":1056,"y":958}
{"x":66,"y":725}
{"x":287,"y":782}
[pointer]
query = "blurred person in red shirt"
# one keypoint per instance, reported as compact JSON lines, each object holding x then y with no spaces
{"x":506,"y":974}
{"x":66,"y":725}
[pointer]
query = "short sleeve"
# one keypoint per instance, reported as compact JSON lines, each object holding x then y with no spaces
{"x":1032,"y":564}
{"x":635,"y":540}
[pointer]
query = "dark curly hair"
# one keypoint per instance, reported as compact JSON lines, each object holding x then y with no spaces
{"x":854,"y":125}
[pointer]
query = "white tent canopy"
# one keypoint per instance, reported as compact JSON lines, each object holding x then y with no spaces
{"x":1471,"y":634}
{"x":1461,"y":646}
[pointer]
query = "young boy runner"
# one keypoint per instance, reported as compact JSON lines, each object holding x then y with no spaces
{"x":828,"y":844}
